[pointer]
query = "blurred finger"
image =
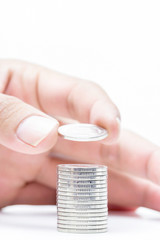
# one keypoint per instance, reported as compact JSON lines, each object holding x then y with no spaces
{"x":24,"y":128}
{"x":131,"y":154}
{"x":36,"y":194}
{"x":125,"y":191}
{"x":130,"y":192}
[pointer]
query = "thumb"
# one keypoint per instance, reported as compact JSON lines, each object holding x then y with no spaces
{"x":24,"y":128}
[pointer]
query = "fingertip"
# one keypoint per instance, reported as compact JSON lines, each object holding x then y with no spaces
{"x":34,"y":129}
{"x":113,"y":127}
{"x":106,"y":115}
{"x":49,"y":141}
{"x":35,"y":135}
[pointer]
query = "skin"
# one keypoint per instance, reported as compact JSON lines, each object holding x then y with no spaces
{"x":28,"y":173}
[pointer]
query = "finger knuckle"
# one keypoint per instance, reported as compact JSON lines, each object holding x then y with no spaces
{"x":9,"y":105}
{"x":93,"y":85}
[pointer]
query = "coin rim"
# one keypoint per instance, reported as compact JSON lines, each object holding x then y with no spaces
{"x":101,"y":136}
{"x":82,"y":168}
{"x":87,"y":182}
{"x":82,"y":218}
{"x":88,"y":178}
{"x":82,"y":203}
{"x":82,"y":231}
{"x":82,"y":211}
{"x":81,"y":223}
{"x":85,"y":215}
{"x":83,"y":228}
{"x":90,"y":186}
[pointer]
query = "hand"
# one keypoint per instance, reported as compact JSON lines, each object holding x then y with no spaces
{"x":31,"y":100}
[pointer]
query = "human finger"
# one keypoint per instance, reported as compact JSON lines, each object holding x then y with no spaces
{"x":124,"y":190}
{"x":35,"y":194}
{"x":128,"y":192}
{"x":131,"y":154}
{"x":58,"y":94}
{"x":24,"y":128}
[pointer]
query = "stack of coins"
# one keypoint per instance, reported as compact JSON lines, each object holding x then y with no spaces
{"x":82,"y":198}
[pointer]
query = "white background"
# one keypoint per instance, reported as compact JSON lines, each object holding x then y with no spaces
{"x":114,"y":43}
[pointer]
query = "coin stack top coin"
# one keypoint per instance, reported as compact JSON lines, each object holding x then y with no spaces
{"x":82,"y":198}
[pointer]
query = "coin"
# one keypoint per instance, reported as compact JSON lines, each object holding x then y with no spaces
{"x":82,"y":226}
{"x":72,"y":189}
{"x":82,"y":167}
{"x":66,"y":177}
{"x":82,"y":203}
{"x":85,"y":182}
{"x":82,"y":218}
{"x":102,"y":230}
{"x":74,"y":222}
{"x":94,"y":194}
{"x":82,"y":206}
{"x":83,"y":174}
{"x":82,"y":198}
{"x":82,"y":132}
{"x":82,"y":214}
{"x":80,"y":186}
{"x":70,"y":210}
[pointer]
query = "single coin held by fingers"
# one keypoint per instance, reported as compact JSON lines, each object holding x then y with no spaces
{"x":82,"y":132}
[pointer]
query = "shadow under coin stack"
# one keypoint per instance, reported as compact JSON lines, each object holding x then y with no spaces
{"x":82,"y":198}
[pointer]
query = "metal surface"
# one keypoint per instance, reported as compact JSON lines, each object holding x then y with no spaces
{"x":82,"y":198}
{"x":82,"y":223}
{"x":102,"y":230}
{"x":82,"y":167}
{"x":83,"y":214}
{"x":82,"y":219}
{"x":81,"y":203}
{"x":82,"y":132}
{"x":81,"y":182}
{"x":82,"y":178}
{"x":83,"y":227}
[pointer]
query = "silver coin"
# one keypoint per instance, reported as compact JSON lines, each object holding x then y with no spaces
{"x":82,"y":206}
{"x":83,"y":174}
{"x":82,"y":218}
{"x":82,"y":132}
{"x":82,"y":182}
{"x":82,"y":199}
{"x":102,"y":230}
{"x":77,"y":186}
{"x":72,"y":189}
{"x":82,"y":167}
{"x":83,"y":227}
{"x":92,"y":194}
{"x":70,"y":210}
{"x":74,"y":222}
{"x":82,"y":203}
{"x":82,"y":214}
{"x":66,"y":177}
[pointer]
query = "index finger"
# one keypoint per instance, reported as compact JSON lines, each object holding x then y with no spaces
{"x":82,"y":100}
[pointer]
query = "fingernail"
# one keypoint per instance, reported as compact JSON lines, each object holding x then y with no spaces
{"x":34,"y":129}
